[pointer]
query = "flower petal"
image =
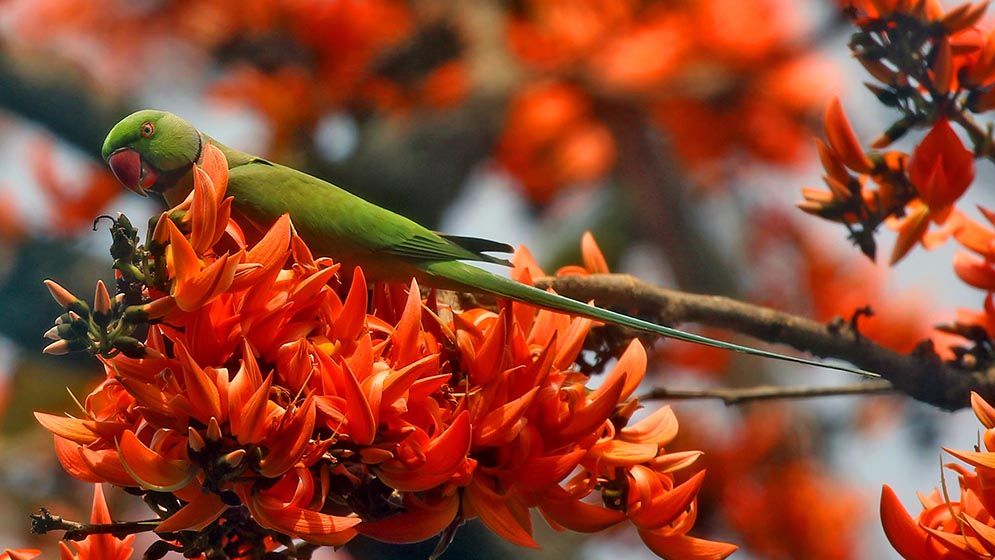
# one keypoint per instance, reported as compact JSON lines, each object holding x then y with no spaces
{"x":150,"y":469}
{"x":495,"y":511}
{"x":197,"y":514}
{"x":443,"y":456}
{"x":659,"y":428}
{"x":80,"y":431}
{"x":558,"y":505}
{"x":904,"y":534}
{"x":685,"y":547}
{"x":418,"y":521}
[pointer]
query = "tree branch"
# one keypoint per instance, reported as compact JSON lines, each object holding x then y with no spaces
{"x":921,"y":375}
{"x":44,"y":521}
{"x":733,"y":395}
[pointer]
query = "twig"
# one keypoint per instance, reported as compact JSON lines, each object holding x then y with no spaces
{"x":921,"y":375}
{"x":733,"y":396}
{"x":44,"y":521}
{"x":980,"y":137}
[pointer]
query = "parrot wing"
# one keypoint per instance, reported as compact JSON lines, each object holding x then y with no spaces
{"x":340,"y":222}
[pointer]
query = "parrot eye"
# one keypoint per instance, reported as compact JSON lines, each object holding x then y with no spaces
{"x":148,"y":129}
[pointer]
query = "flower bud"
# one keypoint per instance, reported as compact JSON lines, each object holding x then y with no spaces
{"x":130,"y":347}
{"x":943,"y":67}
{"x":101,"y":299}
{"x":213,"y":430}
{"x":963,"y":16}
{"x":886,"y":96}
{"x":195,"y":441}
{"x":894,"y":132}
{"x":234,"y":459}
{"x":57,"y":348}
{"x":155,"y":309}
{"x":65,"y":298}
{"x":879,"y":70}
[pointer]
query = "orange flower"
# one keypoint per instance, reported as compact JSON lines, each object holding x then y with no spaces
{"x":551,"y":140}
{"x":19,"y":554}
{"x":644,"y":58}
{"x":843,"y":140}
{"x":941,"y":169}
{"x":326,"y":413}
{"x":99,"y":546}
{"x":945,"y":528}
{"x":766,"y":486}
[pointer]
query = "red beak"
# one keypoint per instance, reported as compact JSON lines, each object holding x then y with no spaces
{"x":131,"y":171}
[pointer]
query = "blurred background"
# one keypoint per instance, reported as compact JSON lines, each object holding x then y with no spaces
{"x":678,"y":131}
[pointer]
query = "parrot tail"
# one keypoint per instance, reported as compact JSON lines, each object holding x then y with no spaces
{"x":477,"y":279}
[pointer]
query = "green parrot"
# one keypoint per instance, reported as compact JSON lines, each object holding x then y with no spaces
{"x":155,"y":151}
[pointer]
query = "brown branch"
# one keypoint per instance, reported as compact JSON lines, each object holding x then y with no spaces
{"x":921,"y":375}
{"x":44,"y":521}
{"x":741,"y":395}
{"x":980,"y":137}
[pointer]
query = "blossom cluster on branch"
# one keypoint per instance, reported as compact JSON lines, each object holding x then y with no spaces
{"x":935,"y":68}
{"x":948,"y":527}
{"x":276,"y":397}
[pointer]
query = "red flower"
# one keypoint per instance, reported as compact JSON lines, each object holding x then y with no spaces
{"x":551,"y":140}
{"x":98,"y":546}
{"x":946,"y":528}
{"x":274,"y":384}
{"x":941,"y":169}
{"x":19,"y":554}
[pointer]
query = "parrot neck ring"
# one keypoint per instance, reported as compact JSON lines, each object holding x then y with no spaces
{"x":132,"y":170}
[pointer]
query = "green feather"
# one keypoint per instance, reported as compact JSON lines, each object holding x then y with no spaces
{"x":388,"y":246}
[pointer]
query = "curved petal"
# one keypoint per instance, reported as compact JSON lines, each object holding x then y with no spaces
{"x":73,"y":429}
{"x":685,"y":547}
{"x":904,"y":534}
{"x":497,"y":427}
{"x":151,"y":470}
{"x":562,"y":508}
{"x":197,"y":514}
{"x":290,"y":441}
{"x":659,"y":428}
{"x":106,"y":465}
{"x":418,"y":522}
{"x":68,"y":453}
{"x":443,"y":457}
{"x":496,"y":512}
{"x":663,"y":509}
{"x":620,"y":453}
{"x":312,"y":526}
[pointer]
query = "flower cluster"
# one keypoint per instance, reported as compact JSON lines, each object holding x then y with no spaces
{"x":291,"y":60}
{"x":934,"y":68}
{"x":278,"y":397}
{"x":718,"y":76}
{"x":768,"y":486}
{"x":948,"y":528}
{"x":99,"y":546}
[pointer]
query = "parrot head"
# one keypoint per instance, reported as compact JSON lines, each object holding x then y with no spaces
{"x":151,"y":150}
